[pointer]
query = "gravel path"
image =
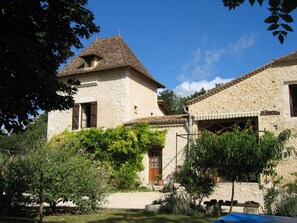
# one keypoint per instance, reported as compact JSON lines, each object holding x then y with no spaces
{"x":133,"y":200}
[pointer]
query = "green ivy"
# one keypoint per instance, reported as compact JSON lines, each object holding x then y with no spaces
{"x":118,"y":148}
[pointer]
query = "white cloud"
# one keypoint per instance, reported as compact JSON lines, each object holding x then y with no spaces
{"x":244,"y":42}
{"x":202,"y":62}
{"x":187,"y":88}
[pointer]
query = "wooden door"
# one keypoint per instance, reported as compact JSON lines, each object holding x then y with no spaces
{"x":155,"y":163}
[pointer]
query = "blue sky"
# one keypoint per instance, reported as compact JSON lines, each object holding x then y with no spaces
{"x":189,"y":44}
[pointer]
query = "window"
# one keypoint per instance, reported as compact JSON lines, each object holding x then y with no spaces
{"x":84,"y":115}
{"x":293,"y":100}
{"x":135,"y":109}
{"x":90,"y":61}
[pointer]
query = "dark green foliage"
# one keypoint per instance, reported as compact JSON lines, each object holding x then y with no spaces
{"x":279,"y":18}
{"x":17,"y":144}
{"x":197,"y":182}
{"x":39,"y":36}
{"x":33,"y":134}
{"x":120,"y":149}
{"x":270,"y":198}
{"x":176,"y":102}
{"x":126,"y":178}
{"x":68,"y":176}
{"x":287,"y":206}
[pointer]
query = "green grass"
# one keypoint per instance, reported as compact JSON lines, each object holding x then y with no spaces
{"x":126,"y":216}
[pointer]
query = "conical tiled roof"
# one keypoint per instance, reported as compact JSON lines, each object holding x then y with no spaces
{"x":113,"y":53}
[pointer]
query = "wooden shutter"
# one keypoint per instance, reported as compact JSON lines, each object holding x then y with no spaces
{"x":75,"y":116}
{"x":93,"y":114}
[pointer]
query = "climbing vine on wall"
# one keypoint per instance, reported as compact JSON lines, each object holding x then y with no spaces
{"x":120,"y":149}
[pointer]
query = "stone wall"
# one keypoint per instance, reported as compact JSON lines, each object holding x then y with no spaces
{"x":174,"y":150}
{"x":243,"y":192}
{"x":264,"y":90}
{"x":143,"y":94}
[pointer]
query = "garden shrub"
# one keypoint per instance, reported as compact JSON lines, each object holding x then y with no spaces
{"x":287,"y":206}
{"x":197,"y":183}
{"x":126,"y":178}
{"x":270,"y":197}
{"x":178,"y":204}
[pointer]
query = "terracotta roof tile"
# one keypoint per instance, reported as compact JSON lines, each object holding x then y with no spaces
{"x":114,"y":53}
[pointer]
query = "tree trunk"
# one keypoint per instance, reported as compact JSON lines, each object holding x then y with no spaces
{"x":41,"y":197}
{"x":232,"y":196}
{"x":53,"y":206}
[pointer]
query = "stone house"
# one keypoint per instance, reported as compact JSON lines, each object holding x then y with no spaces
{"x":267,"y":96}
{"x":114,"y":89}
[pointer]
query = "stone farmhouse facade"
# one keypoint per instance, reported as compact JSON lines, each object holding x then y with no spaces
{"x":267,"y":96}
{"x":115,"y":88}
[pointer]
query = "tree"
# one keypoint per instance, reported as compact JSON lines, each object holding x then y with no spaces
{"x":279,"y":18}
{"x":175,"y":102}
{"x":237,"y":153}
{"x":39,"y":36}
{"x":197,"y":94}
{"x":67,"y":176}
{"x":33,"y":134}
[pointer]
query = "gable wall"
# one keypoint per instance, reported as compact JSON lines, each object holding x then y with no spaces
{"x":267,"y":90}
{"x":143,"y":94}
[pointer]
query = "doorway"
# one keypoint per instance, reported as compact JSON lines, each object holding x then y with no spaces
{"x":155,"y":163}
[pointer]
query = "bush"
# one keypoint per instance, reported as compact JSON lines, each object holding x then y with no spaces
{"x":178,"y":204}
{"x":197,"y":183}
{"x":287,"y":206}
{"x":126,"y":178}
{"x":270,"y":198}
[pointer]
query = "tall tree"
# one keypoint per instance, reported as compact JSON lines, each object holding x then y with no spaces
{"x":280,"y":17}
{"x":37,"y":38}
{"x":33,"y":134}
{"x":177,"y":102}
{"x":174,"y":101}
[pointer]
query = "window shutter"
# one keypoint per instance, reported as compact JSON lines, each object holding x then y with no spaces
{"x":75,"y":116}
{"x":93,"y":114}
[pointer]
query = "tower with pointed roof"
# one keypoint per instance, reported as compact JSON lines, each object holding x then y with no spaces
{"x":115,"y":88}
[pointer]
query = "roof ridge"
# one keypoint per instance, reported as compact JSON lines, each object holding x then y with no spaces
{"x":121,"y":48}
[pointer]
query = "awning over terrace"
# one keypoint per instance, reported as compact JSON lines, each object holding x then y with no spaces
{"x":226,"y":115}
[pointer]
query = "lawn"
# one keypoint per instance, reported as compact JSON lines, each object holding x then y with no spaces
{"x":126,"y":216}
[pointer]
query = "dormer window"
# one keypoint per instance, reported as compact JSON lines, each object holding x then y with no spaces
{"x":90,"y":60}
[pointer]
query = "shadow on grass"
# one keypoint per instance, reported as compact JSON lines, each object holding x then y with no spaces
{"x":141,"y":216}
